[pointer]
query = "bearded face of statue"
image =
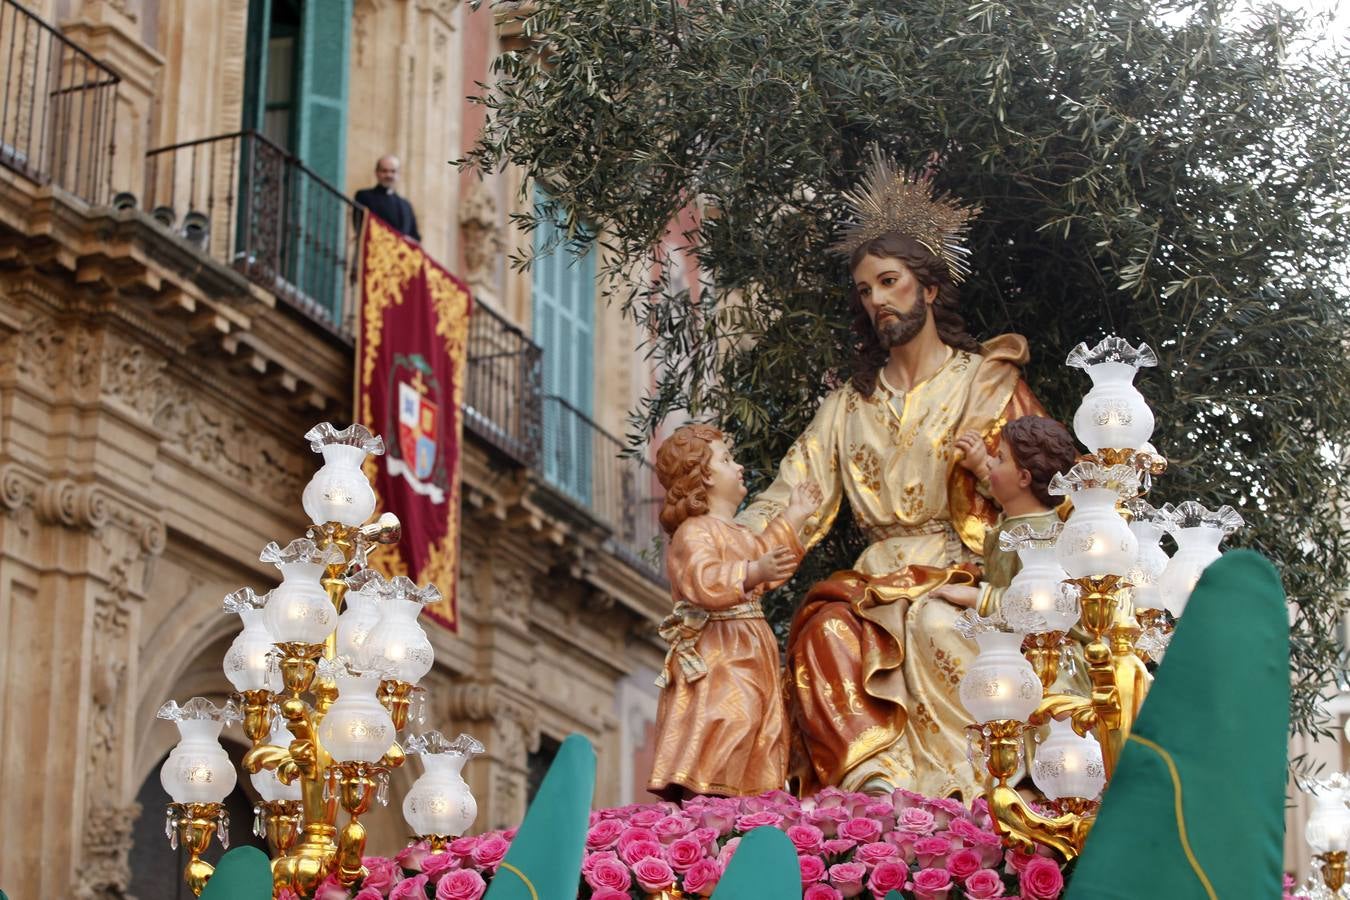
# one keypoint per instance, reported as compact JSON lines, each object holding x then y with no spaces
{"x":895,"y":301}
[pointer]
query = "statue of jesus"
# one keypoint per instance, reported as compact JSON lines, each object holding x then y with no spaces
{"x":873,"y":659}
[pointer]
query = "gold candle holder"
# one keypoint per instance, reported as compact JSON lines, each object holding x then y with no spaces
{"x":1020,"y":826}
{"x":396,"y":696}
{"x":281,"y":821}
{"x":357,"y":784}
{"x":1043,"y":652}
{"x":1333,"y":869}
{"x":257,"y":714}
{"x":193,"y":824}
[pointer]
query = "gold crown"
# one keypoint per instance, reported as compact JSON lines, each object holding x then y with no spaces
{"x":889,"y":199}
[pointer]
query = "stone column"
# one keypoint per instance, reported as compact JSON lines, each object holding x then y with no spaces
{"x":76,"y":554}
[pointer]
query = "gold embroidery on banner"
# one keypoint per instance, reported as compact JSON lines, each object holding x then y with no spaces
{"x":389,"y":264}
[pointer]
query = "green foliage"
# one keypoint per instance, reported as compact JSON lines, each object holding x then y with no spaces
{"x":1163,"y":170}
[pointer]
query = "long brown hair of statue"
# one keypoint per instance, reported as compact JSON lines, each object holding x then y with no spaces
{"x":683,"y":466}
{"x":1043,"y":447}
{"x":869,"y":355}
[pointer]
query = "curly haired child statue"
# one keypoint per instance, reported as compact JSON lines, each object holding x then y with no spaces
{"x":721,"y":727}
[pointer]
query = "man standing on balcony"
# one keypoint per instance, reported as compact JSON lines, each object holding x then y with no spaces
{"x":384,"y":202}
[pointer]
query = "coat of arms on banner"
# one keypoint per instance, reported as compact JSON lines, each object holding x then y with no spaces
{"x":416,"y":395}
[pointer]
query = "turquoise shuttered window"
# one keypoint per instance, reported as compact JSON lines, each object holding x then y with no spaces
{"x":304,"y":109}
{"x":563,"y":290}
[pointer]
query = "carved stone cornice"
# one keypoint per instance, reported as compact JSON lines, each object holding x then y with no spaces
{"x":79,"y":505}
{"x":476,"y":701}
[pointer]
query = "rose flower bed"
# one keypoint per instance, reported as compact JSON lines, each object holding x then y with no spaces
{"x":848,"y":845}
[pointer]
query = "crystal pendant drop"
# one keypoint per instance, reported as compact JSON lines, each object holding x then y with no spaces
{"x":419,"y":706}
{"x":223,"y":830}
{"x":171,"y":828}
{"x":259,"y":829}
{"x":382,"y":793}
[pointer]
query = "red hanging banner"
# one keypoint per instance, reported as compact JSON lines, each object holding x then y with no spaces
{"x":410,"y":370}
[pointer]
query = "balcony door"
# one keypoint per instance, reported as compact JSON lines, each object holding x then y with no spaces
{"x":296,"y":96}
{"x":563,"y":291}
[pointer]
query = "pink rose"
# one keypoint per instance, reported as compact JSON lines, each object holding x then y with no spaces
{"x":645,"y":818}
{"x":932,"y":884}
{"x":439,"y":863}
{"x":653,"y":874}
{"x":637,"y":850}
{"x":705,"y":836}
{"x":862,"y":831}
{"x":848,"y":878}
{"x":984,"y":884}
{"x":287,"y":894}
{"x":965,"y":829}
{"x":822,"y":892}
{"x":410,"y":857}
{"x":757,"y":820}
{"x":414,"y":888}
{"x":878,"y":809}
{"x":828,"y":819}
{"x":603,"y":834}
{"x":382,"y":873}
{"x":463,"y":847}
{"x":915,"y":820}
{"x":727,"y":852}
{"x":1018,"y":862}
{"x":368,"y":893}
{"x":945,"y":809}
{"x":829,"y":796}
{"x":702,"y":877}
{"x":671,"y":827}
{"x":813,"y":868}
{"x":886,"y":877}
{"x":927,"y":850}
{"x":963,"y":863}
{"x":461,"y":884}
{"x":719,"y":813}
{"x":630,"y":836}
{"x":591,"y":860}
{"x":607,"y":894}
{"x":608,"y":873}
{"x":491,"y":850}
{"x":806,"y":838}
{"x":683,"y":853}
{"x":1041,"y":879}
{"x":331,"y":889}
{"x":837,"y":846}
{"x":876,"y":852}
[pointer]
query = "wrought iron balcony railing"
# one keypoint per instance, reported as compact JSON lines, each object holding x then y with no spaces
{"x":250,"y":204}
{"x":502,"y":394}
{"x":587,"y":464}
{"x":57,"y":107}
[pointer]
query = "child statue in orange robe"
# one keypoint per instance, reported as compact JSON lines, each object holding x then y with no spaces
{"x":721,"y":727}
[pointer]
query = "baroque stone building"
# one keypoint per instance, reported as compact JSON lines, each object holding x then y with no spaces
{"x":175,"y":312}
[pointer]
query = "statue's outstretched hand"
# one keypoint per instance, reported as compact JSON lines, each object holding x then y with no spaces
{"x":804,"y":500}
{"x":972,"y":454}
{"x":776,"y":565}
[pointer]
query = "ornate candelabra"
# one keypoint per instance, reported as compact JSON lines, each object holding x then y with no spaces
{"x":1104,"y":574}
{"x":322,"y":693}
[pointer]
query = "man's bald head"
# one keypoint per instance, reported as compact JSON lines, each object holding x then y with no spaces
{"x":386,"y":171}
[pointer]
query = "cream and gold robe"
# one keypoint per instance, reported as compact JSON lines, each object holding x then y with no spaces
{"x":892,"y":455}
